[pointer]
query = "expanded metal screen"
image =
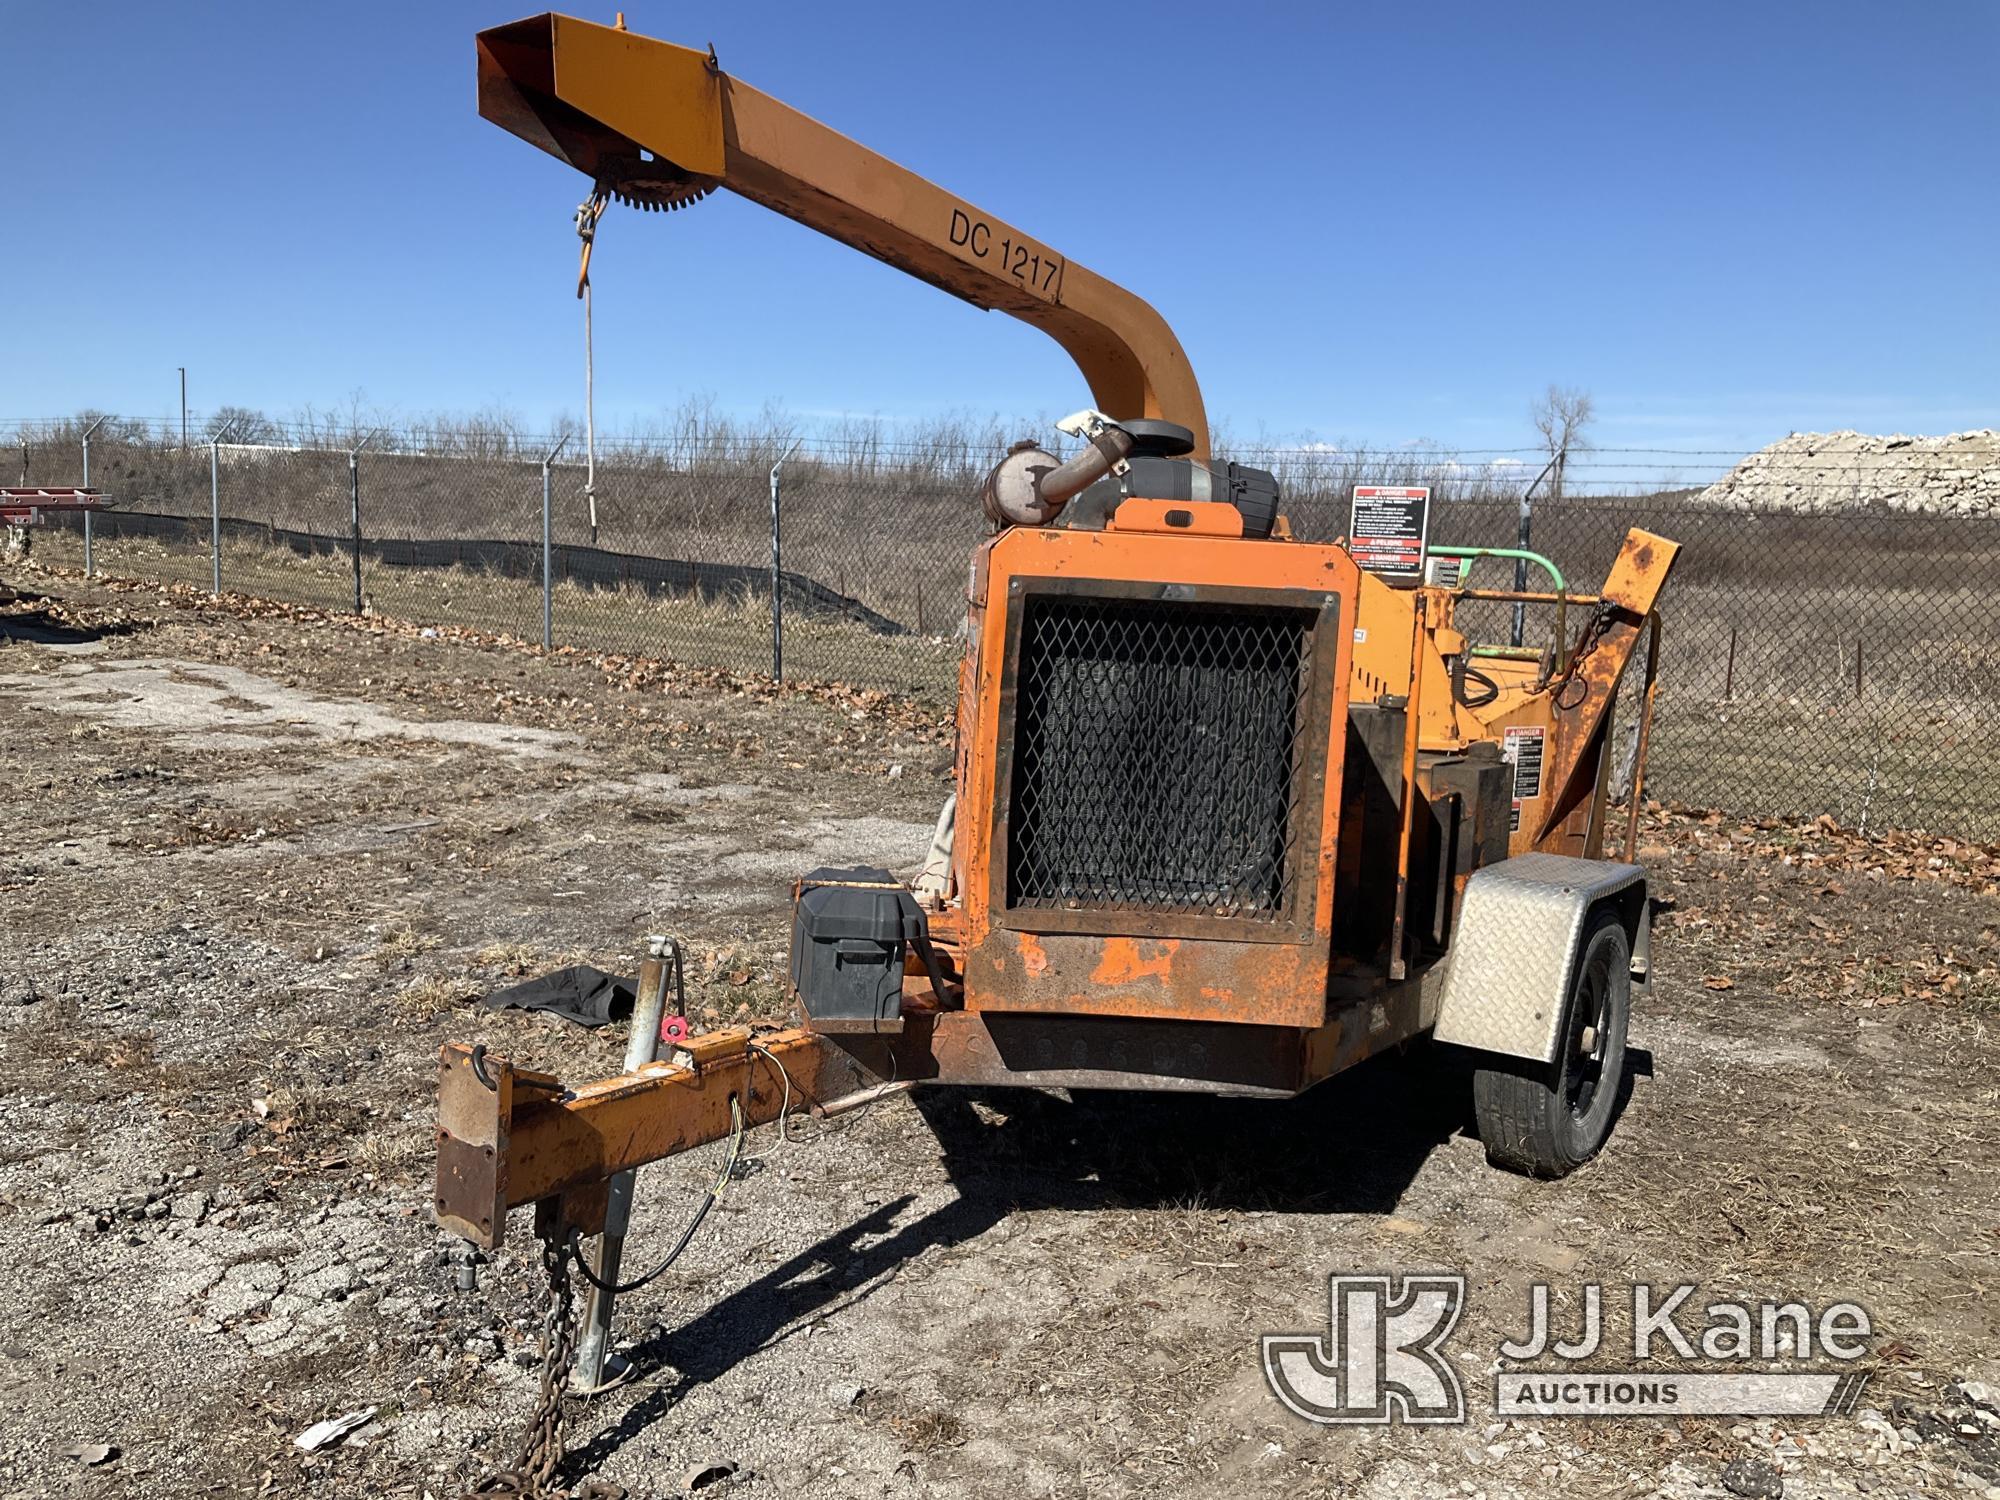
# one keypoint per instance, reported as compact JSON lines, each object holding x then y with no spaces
{"x":1155,"y":753}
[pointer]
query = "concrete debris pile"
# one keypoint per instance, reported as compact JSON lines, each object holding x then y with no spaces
{"x":1958,"y":474}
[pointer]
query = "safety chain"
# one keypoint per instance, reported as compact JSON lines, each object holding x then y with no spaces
{"x":1588,"y":641}
{"x":534,"y":1472}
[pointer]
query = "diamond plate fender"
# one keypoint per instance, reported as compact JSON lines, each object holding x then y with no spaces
{"x":1520,"y":923}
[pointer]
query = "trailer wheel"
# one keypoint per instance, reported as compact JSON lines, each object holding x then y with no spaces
{"x":1548,"y":1119}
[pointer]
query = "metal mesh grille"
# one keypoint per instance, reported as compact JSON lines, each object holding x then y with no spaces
{"x":1154,"y":756}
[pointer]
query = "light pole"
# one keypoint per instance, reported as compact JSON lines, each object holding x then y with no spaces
{"x":184,"y":408}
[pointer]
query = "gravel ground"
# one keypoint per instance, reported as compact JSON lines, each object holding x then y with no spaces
{"x":259,"y":863}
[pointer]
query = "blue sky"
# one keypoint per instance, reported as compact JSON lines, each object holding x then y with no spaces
{"x":1366,"y":222}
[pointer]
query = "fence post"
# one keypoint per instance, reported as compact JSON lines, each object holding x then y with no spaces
{"x":548,"y":550}
{"x":354,"y":509}
{"x":215,"y":509}
{"x":89,"y":554}
{"x":1523,"y":533}
{"x":777,"y":570}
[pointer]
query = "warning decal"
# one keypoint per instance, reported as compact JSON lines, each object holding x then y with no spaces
{"x":1521,"y":748}
{"x":1387,"y":530}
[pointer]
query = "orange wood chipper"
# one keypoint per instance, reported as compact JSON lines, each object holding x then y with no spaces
{"x":1232,"y":812}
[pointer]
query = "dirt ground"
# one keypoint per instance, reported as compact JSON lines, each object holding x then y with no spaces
{"x":259,"y":862}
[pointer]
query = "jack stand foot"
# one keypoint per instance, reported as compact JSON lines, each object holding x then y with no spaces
{"x":618,"y":1370}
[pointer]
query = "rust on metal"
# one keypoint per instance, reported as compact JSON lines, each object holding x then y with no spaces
{"x":1282,"y":984}
{"x":1406,"y":838}
{"x":1649,"y":693}
{"x":1583,"y":699}
{"x":507,"y":1145}
{"x":1124,"y":961}
{"x":24,"y":505}
{"x":1057,"y":1050}
{"x":1148,"y":565}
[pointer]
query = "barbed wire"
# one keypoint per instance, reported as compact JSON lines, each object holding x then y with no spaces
{"x":1678,"y":467}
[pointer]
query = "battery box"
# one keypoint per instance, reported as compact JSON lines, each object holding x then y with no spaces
{"x":850,"y":932}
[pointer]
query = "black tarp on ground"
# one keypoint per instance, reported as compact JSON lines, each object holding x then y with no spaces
{"x":587,"y":996}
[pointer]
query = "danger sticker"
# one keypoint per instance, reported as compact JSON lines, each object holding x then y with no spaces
{"x":1521,"y":748}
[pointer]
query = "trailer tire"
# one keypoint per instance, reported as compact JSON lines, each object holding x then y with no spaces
{"x":1548,"y":1119}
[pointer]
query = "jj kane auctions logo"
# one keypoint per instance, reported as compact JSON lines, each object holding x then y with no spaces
{"x":1382,"y":1356}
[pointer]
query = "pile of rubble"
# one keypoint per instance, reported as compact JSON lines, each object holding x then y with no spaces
{"x":1958,"y":474}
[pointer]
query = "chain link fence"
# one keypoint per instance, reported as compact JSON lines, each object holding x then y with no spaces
{"x":1827,"y":653}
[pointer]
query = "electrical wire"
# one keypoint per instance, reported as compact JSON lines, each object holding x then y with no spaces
{"x":619,"y":1288}
{"x":784,"y":1104}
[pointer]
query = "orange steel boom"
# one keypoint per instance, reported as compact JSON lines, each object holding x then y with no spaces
{"x":663,"y":125}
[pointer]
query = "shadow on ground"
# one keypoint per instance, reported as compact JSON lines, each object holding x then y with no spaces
{"x":37,"y":620}
{"x":1350,"y":1146}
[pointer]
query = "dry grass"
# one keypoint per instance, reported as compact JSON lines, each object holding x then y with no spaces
{"x":518,"y":960}
{"x":399,"y":947}
{"x":429,"y":998}
{"x":119,"y":1050}
{"x":918,"y":1426}
{"x":510,"y":960}
{"x":730,"y":633}
{"x":393,"y":1153}
{"x":312,"y":1118}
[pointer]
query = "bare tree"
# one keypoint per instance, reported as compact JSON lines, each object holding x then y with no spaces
{"x":244,"y":424}
{"x":1561,"y":417}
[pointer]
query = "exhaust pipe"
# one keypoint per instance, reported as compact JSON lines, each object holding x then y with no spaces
{"x":1029,"y":487}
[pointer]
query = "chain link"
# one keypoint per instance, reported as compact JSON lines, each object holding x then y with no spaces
{"x":534,"y":1473}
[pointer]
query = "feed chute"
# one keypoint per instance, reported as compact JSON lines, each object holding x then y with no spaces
{"x":661,"y":126}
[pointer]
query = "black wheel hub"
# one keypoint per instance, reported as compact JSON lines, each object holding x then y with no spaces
{"x":1584,"y":1074}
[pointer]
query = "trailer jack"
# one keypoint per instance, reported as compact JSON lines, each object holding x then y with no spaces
{"x":509,"y":1137}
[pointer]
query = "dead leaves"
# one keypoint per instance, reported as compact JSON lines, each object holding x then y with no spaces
{"x":1822,"y":845}
{"x":876,"y":707}
{"x":635,"y":674}
{"x":1815,"y":904}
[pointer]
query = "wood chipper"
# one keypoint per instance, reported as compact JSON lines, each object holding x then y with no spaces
{"x":1232,"y":812}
